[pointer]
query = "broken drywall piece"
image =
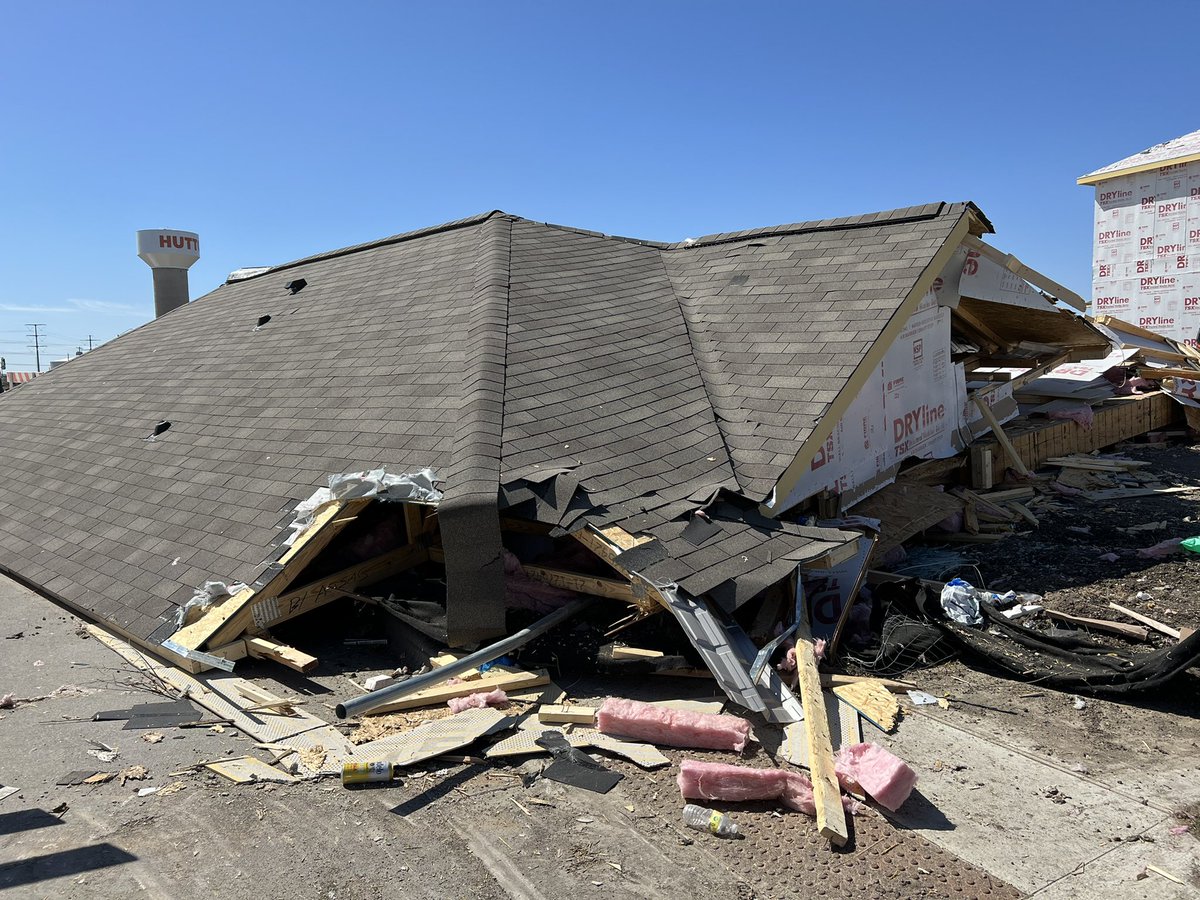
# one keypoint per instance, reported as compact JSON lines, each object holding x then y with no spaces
{"x":676,"y":728}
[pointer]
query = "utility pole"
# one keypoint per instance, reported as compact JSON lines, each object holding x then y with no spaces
{"x":36,"y":337}
{"x":89,"y":342}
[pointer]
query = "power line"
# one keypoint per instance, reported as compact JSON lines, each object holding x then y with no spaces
{"x":37,"y":342}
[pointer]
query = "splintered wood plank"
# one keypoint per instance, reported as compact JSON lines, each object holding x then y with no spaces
{"x":265,"y":648}
{"x":827,"y":793}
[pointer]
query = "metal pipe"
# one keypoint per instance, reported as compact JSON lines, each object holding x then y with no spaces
{"x":368,"y":702}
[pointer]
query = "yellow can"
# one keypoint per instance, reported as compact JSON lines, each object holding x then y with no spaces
{"x":362,"y":772}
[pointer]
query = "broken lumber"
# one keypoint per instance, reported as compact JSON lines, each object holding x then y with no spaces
{"x":827,"y":793}
{"x":635,"y":653}
{"x":1136,"y":632}
{"x":567,"y":715}
{"x":265,"y":648}
{"x":1146,"y":620}
{"x":1001,"y":438}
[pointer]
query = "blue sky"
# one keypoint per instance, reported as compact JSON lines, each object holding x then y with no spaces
{"x":276,"y":130}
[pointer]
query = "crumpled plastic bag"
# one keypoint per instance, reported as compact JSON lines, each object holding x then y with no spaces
{"x":960,"y":602}
{"x":378,"y":483}
{"x":206,"y":595}
{"x":1191,"y":544}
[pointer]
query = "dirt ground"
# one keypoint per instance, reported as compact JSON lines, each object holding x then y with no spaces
{"x":1065,"y":566}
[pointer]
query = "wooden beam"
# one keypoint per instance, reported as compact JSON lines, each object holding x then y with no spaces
{"x":1146,"y":620}
{"x":265,"y":612}
{"x":1001,"y":437}
{"x":265,"y":648}
{"x":1018,"y":268}
{"x":827,"y":794}
{"x":594,"y":585}
{"x":1137,"y":632}
{"x":605,"y":547}
{"x":1158,"y":374}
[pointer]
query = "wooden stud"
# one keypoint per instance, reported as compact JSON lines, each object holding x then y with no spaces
{"x":211,"y":628}
{"x":1001,"y":437}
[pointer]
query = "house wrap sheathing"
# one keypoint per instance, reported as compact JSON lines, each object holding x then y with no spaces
{"x":1146,"y":261}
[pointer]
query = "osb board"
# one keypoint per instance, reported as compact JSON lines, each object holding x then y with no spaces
{"x":1019,"y":323}
{"x":905,"y":509}
{"x":1120,"y":419}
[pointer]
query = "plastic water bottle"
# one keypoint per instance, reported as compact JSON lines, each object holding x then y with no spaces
{"x":702,"y":818}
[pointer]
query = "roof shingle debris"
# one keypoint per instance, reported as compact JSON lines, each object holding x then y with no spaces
{"x":571,"y":378}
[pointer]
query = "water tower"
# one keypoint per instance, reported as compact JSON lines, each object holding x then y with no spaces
{"x":169,"y":254}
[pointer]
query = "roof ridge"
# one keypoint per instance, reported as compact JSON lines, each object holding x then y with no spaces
{"x":899,"y":216}
{"x":400,"y":238}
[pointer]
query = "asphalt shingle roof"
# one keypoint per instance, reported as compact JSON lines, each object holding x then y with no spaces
{"x":645,"y":375}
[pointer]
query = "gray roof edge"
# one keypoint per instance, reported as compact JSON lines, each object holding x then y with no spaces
{"x":897,"y":216}
{"x":404,"y":236}
{"x":901,"y":216}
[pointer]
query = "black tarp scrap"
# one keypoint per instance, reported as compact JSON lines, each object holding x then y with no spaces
{"x":1064,"y":662}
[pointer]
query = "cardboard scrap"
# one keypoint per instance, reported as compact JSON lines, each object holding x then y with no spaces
{"x":248,"y":769}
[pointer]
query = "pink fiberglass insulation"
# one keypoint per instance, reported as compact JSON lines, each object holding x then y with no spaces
{"x":478,"y":701}
{"x":719,"y":781}
{"x":872,"y":770}
{"x":674,"y":727}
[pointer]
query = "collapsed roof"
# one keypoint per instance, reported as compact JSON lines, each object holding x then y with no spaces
{"x":562,"y":376}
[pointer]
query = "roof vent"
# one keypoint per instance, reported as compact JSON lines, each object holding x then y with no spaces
{"x":262,"y":320}
{"x":296,"y":286}
{"x":158,"y":429}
